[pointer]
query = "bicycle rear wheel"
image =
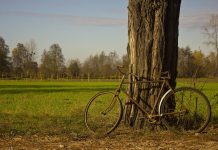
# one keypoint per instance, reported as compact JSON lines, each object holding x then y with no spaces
{"x":186,"y":110}
{"x":103,"y":113}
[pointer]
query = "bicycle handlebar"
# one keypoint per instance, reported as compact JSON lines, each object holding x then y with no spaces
{"x":119,"y":69}
{"x":164,"y":75}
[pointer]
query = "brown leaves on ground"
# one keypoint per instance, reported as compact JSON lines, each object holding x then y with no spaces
{"x":131,"y":141}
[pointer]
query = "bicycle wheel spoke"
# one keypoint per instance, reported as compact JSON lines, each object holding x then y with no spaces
{"x":103,"y":113}
{"x":191,"y":113}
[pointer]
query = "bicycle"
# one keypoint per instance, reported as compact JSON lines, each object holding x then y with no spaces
{"x":183,"y":110}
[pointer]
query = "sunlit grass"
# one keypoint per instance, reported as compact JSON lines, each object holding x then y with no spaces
{"x":57,"y":107}
{"x":45,"y":107}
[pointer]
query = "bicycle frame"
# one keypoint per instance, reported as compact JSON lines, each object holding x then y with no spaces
{"x":163,"y":83}
{"x":171,"y":107}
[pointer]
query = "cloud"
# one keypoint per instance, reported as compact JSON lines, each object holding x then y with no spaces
{"x":74,"y":20}
{"x":196,"y":19}
{"x":97,"y":21}
{"x":118,"y":11}
{"x":187,"y":21}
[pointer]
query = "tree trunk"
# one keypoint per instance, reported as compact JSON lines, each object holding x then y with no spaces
{"x":152,"y":48}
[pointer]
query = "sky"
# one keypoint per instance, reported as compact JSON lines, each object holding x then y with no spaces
{"x":86,"y":27}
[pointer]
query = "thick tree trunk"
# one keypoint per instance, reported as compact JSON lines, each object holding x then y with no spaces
{"x":152,"y":47}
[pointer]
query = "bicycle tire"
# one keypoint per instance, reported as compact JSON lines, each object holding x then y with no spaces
{"x":96,"y":121}
{"x":185,"y":110}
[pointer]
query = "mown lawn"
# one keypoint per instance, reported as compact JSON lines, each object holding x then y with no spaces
{"x":46,"y":107}
{"x":56,"y":107}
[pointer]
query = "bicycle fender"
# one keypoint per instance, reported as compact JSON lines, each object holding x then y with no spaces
{"x":162,"y":98}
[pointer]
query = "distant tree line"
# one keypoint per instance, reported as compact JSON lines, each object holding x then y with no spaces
{"x":21,"y":63}
{"x":52,"y":65}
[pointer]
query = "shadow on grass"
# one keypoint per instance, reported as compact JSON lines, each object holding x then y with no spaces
{"x":214,"y":120}
{"x":16,"y":89}
{"x":22,"y":124}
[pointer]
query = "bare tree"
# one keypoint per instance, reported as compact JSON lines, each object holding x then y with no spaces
{"x":52,"y":62}
{"x":185,"y":62}
{"x":73,"y":68}
{"x":101,"y":65}
{"x":211,"y":32}
{"x":210,"y":63}
{"x":153,"y":46}
{"x":32,"y":49}
{"x":22,"y":62}
{"x":4,"y":59}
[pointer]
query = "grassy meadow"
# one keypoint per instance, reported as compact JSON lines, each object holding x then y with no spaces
{"x":57,"y":107}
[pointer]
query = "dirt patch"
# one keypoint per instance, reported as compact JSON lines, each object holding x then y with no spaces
{"x":130,"y":141}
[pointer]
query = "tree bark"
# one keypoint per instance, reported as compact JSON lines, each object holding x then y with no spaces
{"x":152,"y":48}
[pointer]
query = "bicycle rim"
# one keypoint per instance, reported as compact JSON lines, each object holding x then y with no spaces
{"x":186,"y":111}
{"x":103,"y":113}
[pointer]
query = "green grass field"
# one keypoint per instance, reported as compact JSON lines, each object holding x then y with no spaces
{"x":57,"y":107}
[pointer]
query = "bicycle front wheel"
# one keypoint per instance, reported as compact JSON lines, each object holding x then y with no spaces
{"x":186,"y":110}
{"x":103,"y":113}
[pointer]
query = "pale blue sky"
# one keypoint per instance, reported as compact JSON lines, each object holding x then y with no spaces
{"x":85,"y":27}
